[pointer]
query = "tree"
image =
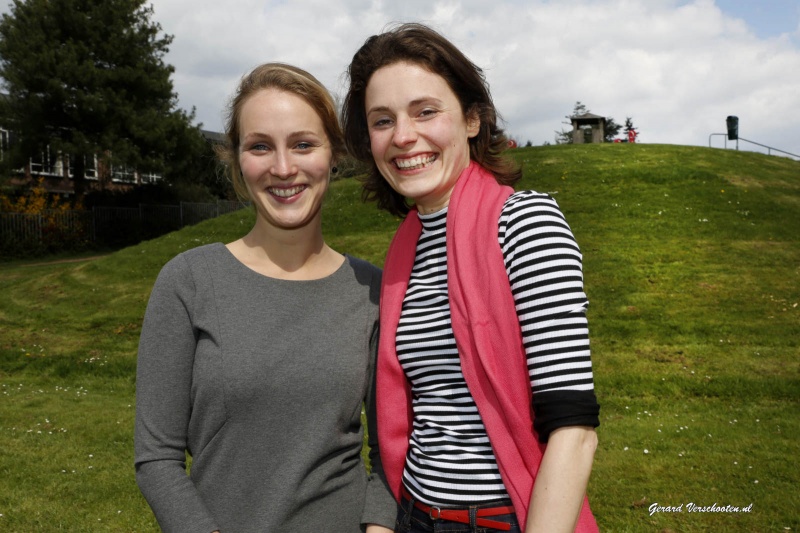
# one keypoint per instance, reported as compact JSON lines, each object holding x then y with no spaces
{"x":88,"y":79}
{"x":195,"y":169}
{"x":611,"y":130}
{"x":565,"y":136}
{"x":629,"y":126}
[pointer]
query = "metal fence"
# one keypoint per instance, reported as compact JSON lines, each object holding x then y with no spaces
{"x":103,"y":226}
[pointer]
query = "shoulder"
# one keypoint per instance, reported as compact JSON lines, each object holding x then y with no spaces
{"x":530,"y":209}
{"x":364,"y":268}
{"x":529,"y":203}
{"x":532,"y":221}
{"x":182,"y":270}
{"x":203,"y":252}
{"x":366,"y":274}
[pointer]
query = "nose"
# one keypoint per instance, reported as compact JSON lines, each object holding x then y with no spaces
{"x":404,"y":132}
{"x":283,"y":165}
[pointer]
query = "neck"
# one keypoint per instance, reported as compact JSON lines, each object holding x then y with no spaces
{"x":295,"y":254}
{"x":426,"y":208}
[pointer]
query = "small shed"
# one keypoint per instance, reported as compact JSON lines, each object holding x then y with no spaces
{"x":588,"y":128}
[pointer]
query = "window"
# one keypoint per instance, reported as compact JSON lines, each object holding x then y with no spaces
{"x":149,"y":177}
{"x":3,"y":143}
{"x":123,"y":174}
{"x":45,"y":163}
{"x":89,"y":171}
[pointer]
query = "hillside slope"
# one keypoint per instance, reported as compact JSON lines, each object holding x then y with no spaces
{"x":692,"y":267}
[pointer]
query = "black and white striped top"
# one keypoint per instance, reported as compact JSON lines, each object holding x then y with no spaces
{"x":450,"y":460}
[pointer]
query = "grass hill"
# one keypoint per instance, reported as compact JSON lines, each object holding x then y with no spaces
{"x":692,"y":267}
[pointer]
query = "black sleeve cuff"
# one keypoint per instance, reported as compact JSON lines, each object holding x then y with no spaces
{"x":557,"y":409}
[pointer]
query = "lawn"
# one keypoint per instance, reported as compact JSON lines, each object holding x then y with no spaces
{"x":692,"y":266}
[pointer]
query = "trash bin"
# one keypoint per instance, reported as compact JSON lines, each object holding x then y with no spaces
{"x":733,"y":127}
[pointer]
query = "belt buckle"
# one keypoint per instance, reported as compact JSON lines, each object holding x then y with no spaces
{"x":435,"y":510}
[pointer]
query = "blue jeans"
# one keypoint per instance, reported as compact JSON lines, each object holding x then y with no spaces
{"x":413,"y":520}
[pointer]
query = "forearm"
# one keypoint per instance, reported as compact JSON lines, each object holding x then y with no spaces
{"x":560,"y":486}
{"x":372,"y":528}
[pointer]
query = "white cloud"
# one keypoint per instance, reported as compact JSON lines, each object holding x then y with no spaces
{"x":677,"y":67}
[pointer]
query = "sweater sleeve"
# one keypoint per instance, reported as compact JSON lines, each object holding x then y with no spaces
{"x":163,"y":403}
{"x":544,"y":266}
{"x":380,"y":506}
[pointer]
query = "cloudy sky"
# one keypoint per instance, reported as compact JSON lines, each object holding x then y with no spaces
{"x":677,"y":67}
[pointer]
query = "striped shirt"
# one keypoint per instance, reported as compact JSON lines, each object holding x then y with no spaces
{"x":450,"y":460}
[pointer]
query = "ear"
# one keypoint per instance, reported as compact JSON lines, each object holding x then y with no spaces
{"x":473,"y":123}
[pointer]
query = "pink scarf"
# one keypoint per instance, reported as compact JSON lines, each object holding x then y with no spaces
{"x":487,"y":333}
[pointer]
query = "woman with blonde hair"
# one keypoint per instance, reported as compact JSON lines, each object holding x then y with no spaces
{"x":257,"y":356}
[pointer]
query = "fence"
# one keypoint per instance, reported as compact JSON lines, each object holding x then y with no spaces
{"x":102,"y":226}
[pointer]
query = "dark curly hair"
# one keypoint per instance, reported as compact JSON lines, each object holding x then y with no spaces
{"x":418,"y":44}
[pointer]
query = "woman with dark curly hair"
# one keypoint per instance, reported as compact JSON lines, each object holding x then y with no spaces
{"x":486,"y":403}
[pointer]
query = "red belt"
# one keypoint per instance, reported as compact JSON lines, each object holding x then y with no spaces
{"x":462,"y":515}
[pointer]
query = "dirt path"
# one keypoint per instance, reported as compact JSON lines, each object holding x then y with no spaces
{"x":61,"y":261}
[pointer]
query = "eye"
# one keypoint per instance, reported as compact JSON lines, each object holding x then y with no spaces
{"x":259,"y":147}
{"x":382,"y":122}
{"x":428,"y":112}
{"x":304,"y":145}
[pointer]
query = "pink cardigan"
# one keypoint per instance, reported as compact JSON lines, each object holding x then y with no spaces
{"x":487,"y":334}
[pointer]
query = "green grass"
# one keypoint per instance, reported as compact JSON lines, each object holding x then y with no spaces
{"x":692,"y":265}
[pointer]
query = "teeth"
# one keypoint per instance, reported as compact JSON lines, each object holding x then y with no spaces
{"x":286,"y":193}
{"x":415,"y":162}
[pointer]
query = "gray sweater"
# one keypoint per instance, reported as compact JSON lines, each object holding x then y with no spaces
{"x":261,"y":381}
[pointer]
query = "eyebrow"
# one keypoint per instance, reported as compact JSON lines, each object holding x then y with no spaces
{"x":412,"y":103}
{"x":293,"y":135}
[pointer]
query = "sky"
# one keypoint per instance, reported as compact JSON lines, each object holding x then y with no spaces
{"x":677,"y":68}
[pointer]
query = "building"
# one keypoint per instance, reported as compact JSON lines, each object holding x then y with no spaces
{"x":55,"y":169}
{"x":588,"y":128}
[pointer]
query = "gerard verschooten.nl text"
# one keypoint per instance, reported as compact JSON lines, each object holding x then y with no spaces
{"x":695,"y":508}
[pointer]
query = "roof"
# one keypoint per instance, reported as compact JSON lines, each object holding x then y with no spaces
{"x":587,"y":116}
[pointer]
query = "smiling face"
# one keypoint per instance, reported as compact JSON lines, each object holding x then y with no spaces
{"x":418,"y":133}
{"x":285,"y":158}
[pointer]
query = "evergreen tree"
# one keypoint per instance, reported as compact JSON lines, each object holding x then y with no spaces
{"x":611,"y":130}
{"x":629,"y":125}
{"x":88,"y":78}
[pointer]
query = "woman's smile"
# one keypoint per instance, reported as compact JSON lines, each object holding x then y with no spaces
{"x":414,"y":163}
